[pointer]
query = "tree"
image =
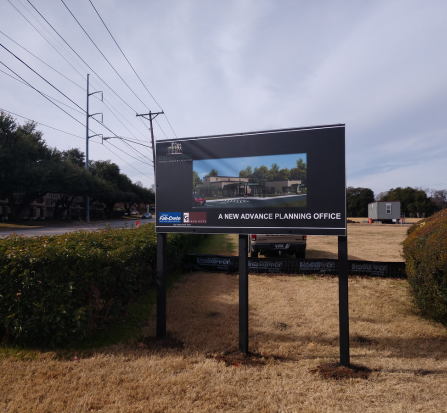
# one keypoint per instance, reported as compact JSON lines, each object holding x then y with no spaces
{"x":73,"y":180}
{"x":357,"y":200}
{"x":26,"y":164}
{"x":75,"y":156}
{"x":246,"y":173}
{"x":196,"y":179}
{"x":300,"y":171}
{"x":284,"y":174}
{"x":412,"y":201}
{"x":213,"y":172}
{"x":119,"y":188}
{"x":274,"y":172}
{"x":260,"y":176}
{"x":439,"y":198}
{"x":111,"y":193}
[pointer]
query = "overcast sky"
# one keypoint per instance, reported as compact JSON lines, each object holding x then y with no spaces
{"x":221,"y":66}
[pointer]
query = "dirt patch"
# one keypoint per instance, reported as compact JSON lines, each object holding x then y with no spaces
{"x":159,"y":343}
{"x":361,"y":340}
{"x":338,"y":372}
{"x":236,"y":359}
{"x":280,"y":326}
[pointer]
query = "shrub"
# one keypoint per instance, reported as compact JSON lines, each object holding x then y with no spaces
{"x":425,"y":253}
{"x":54,"y":289}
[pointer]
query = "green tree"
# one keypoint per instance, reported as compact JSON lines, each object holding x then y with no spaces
{"x":196,"y":179}
{"x":213,"y":172}
{"x":357,"y":200}
{"x":260,"y":176}
{"x":284,"y":174}
{"x":26,"y":165}
{"x":75,"y":156}
{"x":73,"y":180}
{"x":300,"y":171}
{"x":413,"y":201}
{"x":111,"y":192}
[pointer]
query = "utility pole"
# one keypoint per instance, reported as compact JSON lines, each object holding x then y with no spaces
{"x":152,"y":115}
{"x":87,"y":137}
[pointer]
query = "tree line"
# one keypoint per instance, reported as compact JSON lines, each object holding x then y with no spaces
{"x":415,"y":202}
{"x":263,"y":174}
{"x":30,"y":169}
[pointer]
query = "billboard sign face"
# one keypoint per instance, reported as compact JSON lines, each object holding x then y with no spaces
{"x":271,"y":182}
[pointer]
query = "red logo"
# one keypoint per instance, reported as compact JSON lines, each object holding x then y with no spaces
{"x":194,"y":217}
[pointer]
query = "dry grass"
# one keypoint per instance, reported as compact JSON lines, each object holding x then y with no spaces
{"x":293,"y":330}
{"x":293,"y":325}
{"x":373,"y":242}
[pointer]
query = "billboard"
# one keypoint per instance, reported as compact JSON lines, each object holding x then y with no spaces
{"x":269,"y":182}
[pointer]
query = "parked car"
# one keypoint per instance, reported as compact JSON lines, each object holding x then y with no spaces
{"x":146,"y":215}
{"x":198,"y":200}
{"x":270,"y":243}
{"x":134,"y":213}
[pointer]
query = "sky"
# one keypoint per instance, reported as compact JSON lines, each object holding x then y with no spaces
{"x":223,"y":66}
{"x":232,"y":166}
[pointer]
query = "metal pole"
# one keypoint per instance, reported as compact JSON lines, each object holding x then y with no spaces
{"x":161,"y":285}
{"x":87,"y":200}
{"x":343,"y":306}
{"x":243,"y":294}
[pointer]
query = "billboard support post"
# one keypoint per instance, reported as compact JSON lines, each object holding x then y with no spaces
{"x":343,"y":299}
{"x":161,"y":285}
{"x":243,"y":294}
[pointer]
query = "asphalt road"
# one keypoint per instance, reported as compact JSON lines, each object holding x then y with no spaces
{"x":33,"y":231}
{"x":251,"y":202}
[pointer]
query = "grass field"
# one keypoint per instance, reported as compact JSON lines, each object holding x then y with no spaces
{"x":293,"y":331}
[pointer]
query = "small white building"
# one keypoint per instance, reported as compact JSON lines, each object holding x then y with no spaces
{"x":384,"y":211}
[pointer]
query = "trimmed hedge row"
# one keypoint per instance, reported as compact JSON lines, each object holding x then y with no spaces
{"x":54,"y":289}
{"x":425,"y":253}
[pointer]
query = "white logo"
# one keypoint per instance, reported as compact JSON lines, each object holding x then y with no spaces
{"x":186,"y":217}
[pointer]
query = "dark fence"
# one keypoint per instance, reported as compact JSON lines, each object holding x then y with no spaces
{"x":219,"y":263}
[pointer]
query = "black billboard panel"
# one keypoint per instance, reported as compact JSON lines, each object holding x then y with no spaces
{"x":270,"y":182}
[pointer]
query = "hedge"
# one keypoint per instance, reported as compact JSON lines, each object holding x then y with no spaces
{"x":425,"y":253}
{"x":54,"y":289}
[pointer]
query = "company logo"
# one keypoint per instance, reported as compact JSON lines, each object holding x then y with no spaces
{"x":194,"y":217}
{"x":170,"y":217}
{"x":175,"y":149}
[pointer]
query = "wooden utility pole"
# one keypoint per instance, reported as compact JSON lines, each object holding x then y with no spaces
{"x":152,"y":115}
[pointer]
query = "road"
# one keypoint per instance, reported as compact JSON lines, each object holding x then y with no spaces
{"x":36,"y":231}
{"x":251,"y":202}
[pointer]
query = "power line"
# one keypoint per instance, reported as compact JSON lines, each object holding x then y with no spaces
{"x":102,"y":54}
{"x":29,"y":67}
{"x":32,"y":54}
{"x":18,"y":80}
{"x":125,"y":56}
{"x":38,"y":31}
{"x":43,"y":124}
{"x":77,"y":54}
{"x":133,"y":69}
{"x":38,"y":91}
{"x":128,"y":163}
{"x":101,"y":123}
{"x":139,"y":160}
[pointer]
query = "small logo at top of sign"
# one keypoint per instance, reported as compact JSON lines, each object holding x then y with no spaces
{"x":194,"y":217}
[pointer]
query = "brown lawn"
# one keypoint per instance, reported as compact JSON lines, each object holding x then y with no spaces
{"x":293,"y":330}
{"x":370,"y":242}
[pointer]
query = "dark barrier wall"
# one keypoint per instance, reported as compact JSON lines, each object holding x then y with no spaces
{"x":219,"y":263}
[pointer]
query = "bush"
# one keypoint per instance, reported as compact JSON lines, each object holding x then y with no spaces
{"x":54,"y":289}
{"x":425,"y":253}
